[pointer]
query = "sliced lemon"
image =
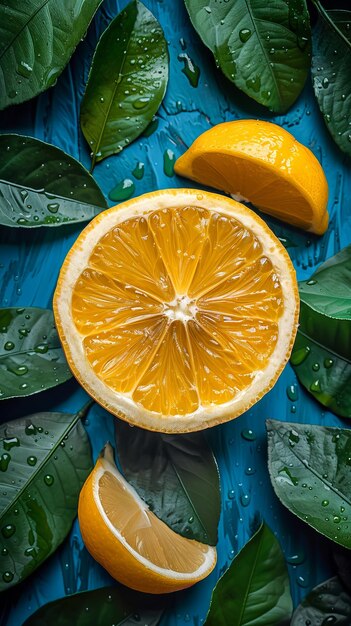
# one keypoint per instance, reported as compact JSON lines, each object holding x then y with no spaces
{"x":130,"y":542}
{"x":177,"y":310}
{"x":261,"y":163}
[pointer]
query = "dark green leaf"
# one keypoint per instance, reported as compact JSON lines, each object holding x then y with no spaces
{"x":102,"y":607}
{"x":322,"y":351}
{"x":127,"y":81}
{"x":310,"y":470}
{"x":31,"y":357}
{"x":331,"y":64}
{"x":263,"y":48}
{"x":329,"y":604}
{"x":176,"y":475}
{"x":255,"y":589}
{"x":37,"y":40}
{"x":44,"y":461}
{"x":40,"y":185}
{"x":343,"y":563}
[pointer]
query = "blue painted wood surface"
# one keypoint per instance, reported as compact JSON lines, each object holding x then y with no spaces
{"x":29,"y":266}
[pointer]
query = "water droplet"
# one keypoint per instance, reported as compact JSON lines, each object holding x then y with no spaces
{"x":325,"y":502}
{"x":138,"y":171}
{"x":208,"y":9}
{"x":30,"y":552}
{"x":24,"y":69}
{"x":254,"y":83}
{"x":336,"y":519}
{"x":30,"y":429}
{"x":18,"y":370}
{"x":41,"y":348}
{"x":9,"y":345}
{"x":248,"y":434}
{"x":4,"y":551}
{"x":316,"y":386}
{"x":32,"y":460}
{"x":102,"y":99}
{"x":190,"y":69}
{"x":325,"y":82}
{"x":245,"y":34}
{"x":328,"y":621}
{"x":300,"y":355}
{"x":168,"y":162}
{"x":12,"y":94}
{"x":296,"y":559}
{"x":250,"y":470}
{"x":53,"y":207}
{"x":245,"y":499}
{"x":328,"y":363}
{"x":141,"y":103}
{"x":23,"y":332}
{"x":191,"y":519}
{"x":294,"y":437}
{"x":11,"y":442}
{"x":292,"y":392}
{"x":7,"y":577}
{"x":122,"y":191}
{"x":302,"y":582}
{"x":315,"y":367}
{"x":8,"y":530}
{"x":4,"y":461}
{"x":288,"y":476}
{"x":48,"y":480}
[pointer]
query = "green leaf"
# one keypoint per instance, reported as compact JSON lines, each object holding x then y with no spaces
{"x":31,"y":357}
{"x":328,"y":604}
{"x":38,"y":39}
{"x":263,"y":48}
{"x":331,"y":64}
{"x":127,"y":81}
{"x":40,"y":185}
{"x":176,"y":475}
{"x":44,"y":461}
{"x":255,"y":589}
{"x":101,"y":607}
{"x":310,"y":470}
{"x":322,"y":351}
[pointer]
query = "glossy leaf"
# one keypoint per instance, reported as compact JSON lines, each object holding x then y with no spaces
{"x":328,"y":604}
{"x":310,"y":470}
{"x":40,"y":185}
{"x":331,"y":64}
{"x":263,"y":48}
{"x":176,"y":475}
{"x":127,"y":81}
{"x":106,"y":606}
{"x":44,"y":461}
{"x":31,"y":357}
{"x":255,"y":589}
{"x":37,"y":40}
{"x":321,"y":355}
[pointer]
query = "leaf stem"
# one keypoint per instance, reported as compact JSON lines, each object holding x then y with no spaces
{"x":93,"y":162}
{"x":325,"y":15}
{"x":84,"y":410}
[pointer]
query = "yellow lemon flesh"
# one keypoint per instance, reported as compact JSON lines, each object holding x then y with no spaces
{"x":177,"y":310}
{"x":130,"y":542}
{"x":262,"y":163}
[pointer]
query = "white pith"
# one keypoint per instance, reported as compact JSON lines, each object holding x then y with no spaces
{"x":182,"y":308}
{"x":209,"y":556}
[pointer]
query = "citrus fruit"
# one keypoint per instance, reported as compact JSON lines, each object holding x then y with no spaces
{"x":130,"y":542}
{"x":177,"y":310}
{"x":261,"y":163}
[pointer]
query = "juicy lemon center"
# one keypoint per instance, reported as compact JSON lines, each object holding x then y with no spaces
{"x":178,"y":309}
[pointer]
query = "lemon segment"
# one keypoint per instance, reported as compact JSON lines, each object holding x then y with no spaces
{"x":130,"y":542}
{"x":264,"y":164}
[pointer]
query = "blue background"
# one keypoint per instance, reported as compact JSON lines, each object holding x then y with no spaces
{"x":29,"y":266}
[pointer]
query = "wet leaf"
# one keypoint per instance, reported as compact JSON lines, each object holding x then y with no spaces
{"x":331,"y":64}
{"x":328,"y":604}
{"x":263,"y":48}
{"x":176,"y":475}
{"x":127,"y":81}
{"x":40,"y":185}
{"x":321,"y":355}
{"x":115,"y":605}
{"x":31,"y":357}
{"x":310,"y":470}
{"x":29,"y":61}
{"x":255,"y":589}
{"x":44,"y":461}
